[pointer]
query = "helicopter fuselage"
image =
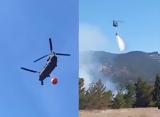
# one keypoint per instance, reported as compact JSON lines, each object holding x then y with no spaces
{"x":115,"y":23}
{"x":49,"y":67}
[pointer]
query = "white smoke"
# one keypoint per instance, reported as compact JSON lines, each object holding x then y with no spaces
{"x":121,"y":43}
{"x":84,"y":73}
{"x":92,"y":38}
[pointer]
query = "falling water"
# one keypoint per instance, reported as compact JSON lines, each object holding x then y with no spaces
{"x":121,"y":43}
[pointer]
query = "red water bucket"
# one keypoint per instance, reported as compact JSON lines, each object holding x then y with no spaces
{"x":54,"y":80}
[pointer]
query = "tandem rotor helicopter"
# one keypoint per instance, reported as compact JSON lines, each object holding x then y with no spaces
{"x":115,"y":23}
{"x":50,"y":65}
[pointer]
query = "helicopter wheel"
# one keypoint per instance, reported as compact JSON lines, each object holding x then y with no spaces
{"x":54,"y":80}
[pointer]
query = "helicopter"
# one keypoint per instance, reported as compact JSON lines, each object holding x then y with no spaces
{"x":115,"y":23}
{"x":50,"y":65}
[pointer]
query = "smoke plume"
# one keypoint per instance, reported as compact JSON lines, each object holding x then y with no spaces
{"x":92,"y":38}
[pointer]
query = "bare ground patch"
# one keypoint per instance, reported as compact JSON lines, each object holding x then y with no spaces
{"x":132,"y":112}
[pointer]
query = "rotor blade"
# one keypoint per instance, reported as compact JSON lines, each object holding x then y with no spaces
{"x":41,"y":58}
{"x":120,"y":21}
{"x":50,"y":43}
{"x":29,"y":70}
{"x":63,"y":54}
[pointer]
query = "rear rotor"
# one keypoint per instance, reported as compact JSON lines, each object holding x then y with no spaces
{"x":51,"y":52}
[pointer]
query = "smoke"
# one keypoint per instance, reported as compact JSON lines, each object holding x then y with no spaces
{"x":92,"y":38}
{"x":84,"y":73}
{"x":91,"y":74}
{"x":121,"y":43}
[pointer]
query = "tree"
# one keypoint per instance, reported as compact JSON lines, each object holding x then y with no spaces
{"x":119,"y":101}
{"x":81,"y":86}
{"x":156,"y":94}
{"x":98,"y":97}
{"x":129,"y":95}
{"x":143,"y":93}
{"x":108,"y":97}
{"x":82,"y":94}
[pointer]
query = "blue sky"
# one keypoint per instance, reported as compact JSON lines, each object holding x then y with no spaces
{"x":25,"y":26}
{"x":140,"y":27}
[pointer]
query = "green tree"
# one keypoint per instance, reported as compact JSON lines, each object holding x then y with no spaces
{"x":143,"y":93}
{"x":108,"y":97}
{"x":119,"y":101}
{"x":129,"y":95}
{"x":82,"y":94}
{"x":156,"y":93}
{"x":98,"y":98}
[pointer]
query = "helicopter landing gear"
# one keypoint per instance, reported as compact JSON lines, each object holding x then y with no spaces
{"x":41,"y":82}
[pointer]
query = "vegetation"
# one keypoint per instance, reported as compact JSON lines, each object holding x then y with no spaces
{"x":119,"y":101}
{"x":82,"y":94}
{"x":156,"y":92}
{"x":143,"y":93}
{"x":133,"y":94}
{"x":95,"y":97}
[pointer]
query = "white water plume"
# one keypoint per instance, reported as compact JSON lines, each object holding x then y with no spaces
{"x":121,"y":43}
